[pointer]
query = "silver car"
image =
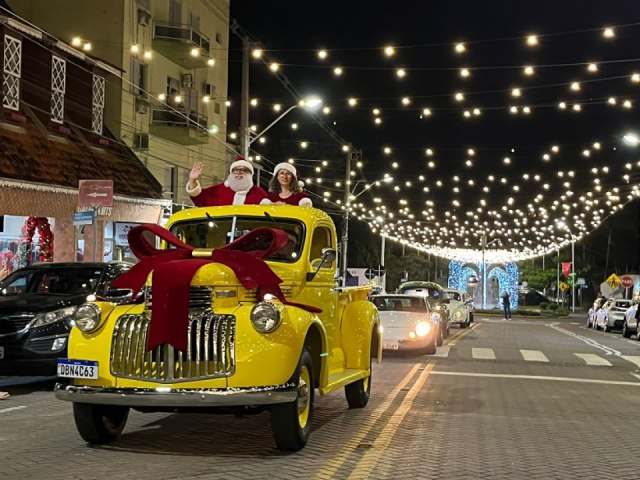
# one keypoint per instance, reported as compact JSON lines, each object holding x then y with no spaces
{"x":408,"y":323}
{"x":630,"y":325}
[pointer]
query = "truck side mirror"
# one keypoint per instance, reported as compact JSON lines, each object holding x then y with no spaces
{"x":328,"y":257}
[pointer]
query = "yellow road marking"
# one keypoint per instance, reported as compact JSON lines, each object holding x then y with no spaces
{"x":370,"y":422}
{"x":369,"y":460}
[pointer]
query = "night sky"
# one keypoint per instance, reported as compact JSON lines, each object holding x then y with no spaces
{"x":421,"y":205}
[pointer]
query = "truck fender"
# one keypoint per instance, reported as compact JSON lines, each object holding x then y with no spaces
{"x":360,"y":332}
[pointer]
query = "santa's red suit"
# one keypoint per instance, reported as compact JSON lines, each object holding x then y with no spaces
{"x":223,"y":194}
{"x":220,"y":194}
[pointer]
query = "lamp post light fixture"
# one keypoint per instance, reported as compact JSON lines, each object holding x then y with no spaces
{"x":309,"y":103}
{"x":348,"y":198}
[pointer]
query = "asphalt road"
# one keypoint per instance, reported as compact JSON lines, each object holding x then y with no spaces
{"x":534,"y":399}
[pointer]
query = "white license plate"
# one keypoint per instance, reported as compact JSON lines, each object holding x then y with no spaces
{"x":1,"y":353}
{"x":77,"y":368}
{"x":390,"y":345}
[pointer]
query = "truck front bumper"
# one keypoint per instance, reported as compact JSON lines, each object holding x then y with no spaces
{"x":177,"y":397}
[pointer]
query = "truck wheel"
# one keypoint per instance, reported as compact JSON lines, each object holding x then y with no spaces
{"x":625,"y":330}
{"x":291,"y":422}
{"x":99,"y":423}
{"x":439,"y":336}
{"x":359,"y":391}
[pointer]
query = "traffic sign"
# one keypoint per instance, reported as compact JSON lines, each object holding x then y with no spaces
{"x":626,"y":281}
{"x":613,"y":280}
{"x":95,"y":193}
{"x":378,"y":271}
{"x":83,"y":218}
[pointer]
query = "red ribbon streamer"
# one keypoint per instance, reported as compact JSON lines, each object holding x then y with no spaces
{"x":174,"y":268}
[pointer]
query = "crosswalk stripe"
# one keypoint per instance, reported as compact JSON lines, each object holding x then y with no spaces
{"x":632,"y":358}
{"x":591,"y":359}
{"x":483,"y":353}
{"x":442,"y":351}
{"x":534,"y":356}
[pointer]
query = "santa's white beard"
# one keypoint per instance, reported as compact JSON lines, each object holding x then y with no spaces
{"x":240,"y":184}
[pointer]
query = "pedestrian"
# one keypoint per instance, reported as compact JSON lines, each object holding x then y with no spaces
{"x":285,"y":188}
{"x":237,"y":189}
{"x":506,"y":305}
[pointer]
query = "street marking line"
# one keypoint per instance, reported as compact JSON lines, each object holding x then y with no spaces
{"x":365,"y":466}
{"x":587,"y":340}
{"x":5,"y":410}
{"x":483,"y":353}
{"x":592,"y":359}
{"x":330,"y":470}
{"x":538,"y":377}
{"x":442,"y":351}
{"x":534,"y":356}
{"x":635,"y":359}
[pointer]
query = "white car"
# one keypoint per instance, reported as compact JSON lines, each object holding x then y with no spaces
{"x":630,"y":325}
{"x":611,"y":315}
{"x":459,"y":311}
{"x":591,"y":314}
{"x":408,"y":323}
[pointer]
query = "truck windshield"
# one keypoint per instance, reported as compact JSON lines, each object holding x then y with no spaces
{"x":219,"y":231}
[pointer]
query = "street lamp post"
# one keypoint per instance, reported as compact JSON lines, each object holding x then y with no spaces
{"x":348,"y":198}
{"x":573,"y":267}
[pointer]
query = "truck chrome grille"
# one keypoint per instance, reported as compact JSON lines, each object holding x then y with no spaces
{"x":199,"y":297}
{"x":210,"y":352}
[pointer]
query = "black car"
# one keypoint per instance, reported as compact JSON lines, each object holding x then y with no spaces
{"x":37,"y":304}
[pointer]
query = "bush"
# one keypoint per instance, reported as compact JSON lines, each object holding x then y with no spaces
{"x":544,"y":305}
{"x":553,"y":306}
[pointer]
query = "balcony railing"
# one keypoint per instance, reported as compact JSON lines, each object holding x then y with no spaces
{"x":181,"y":33}
{"x":183,"y":127}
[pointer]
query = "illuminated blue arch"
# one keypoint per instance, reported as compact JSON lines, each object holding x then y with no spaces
{"x":507,"y":276}
{"x":459,"y":274}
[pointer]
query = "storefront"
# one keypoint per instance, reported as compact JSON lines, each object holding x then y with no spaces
{"x":37,"y":224}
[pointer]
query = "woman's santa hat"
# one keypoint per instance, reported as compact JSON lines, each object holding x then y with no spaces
{"x":289,"y":168}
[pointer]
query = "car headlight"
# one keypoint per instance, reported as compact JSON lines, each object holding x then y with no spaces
{"x":87,"y":317}
{"x":265,"y":317}
{"x":423,"y":329}
{"x":52,"y":317}
{"x":458,"y":315}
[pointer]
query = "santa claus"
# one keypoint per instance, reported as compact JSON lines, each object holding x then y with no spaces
{"x":237,"y":189}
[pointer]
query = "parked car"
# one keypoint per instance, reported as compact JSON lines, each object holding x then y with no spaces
{"x":408,"y":323}
{"x":436,"y":297}
{"x":611,"y":315}
{"x":460,"y":308}
{"x":630,"y":325}
{"x":37,"y":304}
{"x":530,"y":297}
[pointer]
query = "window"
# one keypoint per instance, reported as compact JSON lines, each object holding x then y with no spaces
{"x":175,"y":12}
{"x":173,"y":86}
{"x":58,"y":83}
{"x":11,"y":73}
{"x":138,"y":85}
{"x":218,"y":38}
{"x":216,"y":107}
{"x":321,"y":240}
{"x":97,"y":104}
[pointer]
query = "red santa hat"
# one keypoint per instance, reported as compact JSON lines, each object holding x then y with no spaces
{"x":289,"y":168}
{"x":241,"y":163}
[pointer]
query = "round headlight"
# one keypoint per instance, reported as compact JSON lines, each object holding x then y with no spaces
{"x":265,"y":317}
{"x":458,"y":315}
{"x":87,"y":317}
{"x":423,"y":329}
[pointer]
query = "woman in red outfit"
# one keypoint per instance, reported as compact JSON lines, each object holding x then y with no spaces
{"x":285,"y":189}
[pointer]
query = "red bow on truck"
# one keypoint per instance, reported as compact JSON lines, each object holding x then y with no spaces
{"x":173,"y":270}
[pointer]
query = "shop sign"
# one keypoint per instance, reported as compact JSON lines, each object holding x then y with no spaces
{"x":83,"y":218}
{"x":121,"y":232}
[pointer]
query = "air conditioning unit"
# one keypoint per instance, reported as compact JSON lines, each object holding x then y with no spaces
{"x":187,"y":80}
{"x":209,"y":89}
{"x":141,"y":141}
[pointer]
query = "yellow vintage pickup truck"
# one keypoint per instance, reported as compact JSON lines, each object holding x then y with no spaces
{"x":238,"y":310}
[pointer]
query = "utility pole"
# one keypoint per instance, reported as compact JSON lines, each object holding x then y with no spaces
{"x":347,"y":206}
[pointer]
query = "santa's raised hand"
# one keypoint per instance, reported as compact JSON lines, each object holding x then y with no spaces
{"x":194,"y":174}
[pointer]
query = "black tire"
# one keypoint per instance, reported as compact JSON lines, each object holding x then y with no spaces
{"x":625,"y":331}
{"x":606,"y":327}
{"x":588,"y":321}
{"x":358,"y":392}
{"x":99,"y":424}
{"x":471,"y":317}
{"x":431,"y":347}
{"x":439,"y":336}
{"x":291,"y":422}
